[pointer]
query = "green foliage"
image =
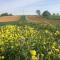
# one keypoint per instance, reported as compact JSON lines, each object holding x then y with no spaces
{"x":38,"y":12}
{"x":23,"y":38}
{"x":5,"y":14}
{"x":54,"y":17}
{"x":46,"y":14}
{"x":16,"y":41}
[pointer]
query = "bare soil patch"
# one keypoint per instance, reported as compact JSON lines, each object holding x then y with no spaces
{"x":9,"y":18}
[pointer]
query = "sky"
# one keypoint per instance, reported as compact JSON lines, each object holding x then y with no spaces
{"x":29,"y":7}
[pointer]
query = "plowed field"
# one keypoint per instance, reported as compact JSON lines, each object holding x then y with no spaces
{"x":40,"y":19}
{"x":9,"y":18}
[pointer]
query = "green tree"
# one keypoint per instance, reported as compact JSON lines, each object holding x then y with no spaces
{"x":38,"y":12}
{"x":57,"y":14}
{"x":4,"y":14}
{"x":53,"y":14}
{"x":46,"y":14}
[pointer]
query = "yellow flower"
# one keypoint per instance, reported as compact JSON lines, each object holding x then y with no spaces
{"x":2,"y":57}
{"x":33,"y":52}
{"x":42,"y":54}
{"x":57,"y":33}
{"x":59,"y":47}
{"x":46,"y":31}
{"x":49,"y":53}
{"x":34,"y":58}
{"x":1,"y":43}
{"x":12,"y":46}
{"x":53,"y":47}
{"x":31,"y":31}
{"x":54,"y":43}
{"x":57,"y":50}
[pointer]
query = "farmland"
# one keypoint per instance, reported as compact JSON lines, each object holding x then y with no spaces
{"x":32,"y":38}
{"x":9,"y":18}
{"x":40,"y":19}
{"x":37,"y":19}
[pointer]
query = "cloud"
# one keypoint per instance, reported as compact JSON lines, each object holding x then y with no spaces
{"x":17,"y":6}
{"x":17,"y":3}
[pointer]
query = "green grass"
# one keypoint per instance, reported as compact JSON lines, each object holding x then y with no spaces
{"x":54,"y":17}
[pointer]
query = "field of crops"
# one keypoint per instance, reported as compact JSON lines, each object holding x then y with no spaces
{"x":40,"y":19}
{"x":30,"y":41}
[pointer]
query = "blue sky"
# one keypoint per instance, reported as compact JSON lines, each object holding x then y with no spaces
{"x":29,"y":6}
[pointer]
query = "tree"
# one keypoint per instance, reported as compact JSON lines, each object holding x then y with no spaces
{"x":38,"y":12}
{"x":46,"y":14}
{"x":4,"y":14}
{"x":53,"y":14}
{"x":57,"y":14}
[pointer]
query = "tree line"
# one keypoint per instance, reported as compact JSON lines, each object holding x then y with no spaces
{"x":45,"y":14}
{"x":6,"y":14}
{"x":48,"y":15}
